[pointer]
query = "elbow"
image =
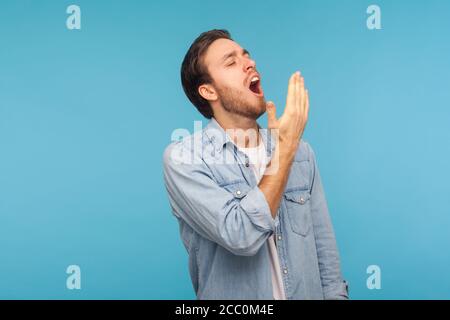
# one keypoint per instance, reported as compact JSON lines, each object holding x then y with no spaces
{"x":244,"y":251}
{"x":241,"y":234}
{"x":244,"y":243}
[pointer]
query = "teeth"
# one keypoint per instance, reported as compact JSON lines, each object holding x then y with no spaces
{"x":254,"y":79}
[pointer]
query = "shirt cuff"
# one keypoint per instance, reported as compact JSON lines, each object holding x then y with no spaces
{"x":255,"y":205}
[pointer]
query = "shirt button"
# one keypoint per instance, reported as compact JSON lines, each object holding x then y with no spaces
{"x":247,"y":164}
{"x":285,"y":271}
{"x":279,"y":237}
{"x":302,"y":201}
{"x":238,"y":192}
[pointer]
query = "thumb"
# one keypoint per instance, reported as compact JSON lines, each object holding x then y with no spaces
{"x":271,"y":114}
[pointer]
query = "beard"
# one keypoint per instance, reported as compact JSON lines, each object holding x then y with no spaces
{"x":233,"y":101}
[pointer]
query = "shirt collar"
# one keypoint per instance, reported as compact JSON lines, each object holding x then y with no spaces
{"x":219,"y":138}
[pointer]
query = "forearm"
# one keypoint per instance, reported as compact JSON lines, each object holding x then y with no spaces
{"x":272,"y":185}
{"x":289,"y":130}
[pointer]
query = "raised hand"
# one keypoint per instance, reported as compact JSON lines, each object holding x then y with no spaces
{"x":291,"y":125}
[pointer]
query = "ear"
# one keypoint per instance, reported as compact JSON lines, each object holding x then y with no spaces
{"x":208,"y":92}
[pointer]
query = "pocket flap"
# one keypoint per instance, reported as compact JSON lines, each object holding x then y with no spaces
{"x":300,"y":197}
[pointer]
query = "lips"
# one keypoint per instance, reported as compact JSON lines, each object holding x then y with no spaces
{"x":254,"y":84}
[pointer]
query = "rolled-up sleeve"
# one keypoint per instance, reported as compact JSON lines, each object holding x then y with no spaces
{"x":241,"y":225}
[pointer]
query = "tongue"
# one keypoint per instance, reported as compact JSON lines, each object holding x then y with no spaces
{"x":254,"y":87}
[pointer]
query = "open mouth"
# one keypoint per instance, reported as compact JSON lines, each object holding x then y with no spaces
{"x":255,"y":86}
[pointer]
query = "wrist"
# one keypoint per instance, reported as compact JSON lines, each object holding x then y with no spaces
{"x":288,"y":150}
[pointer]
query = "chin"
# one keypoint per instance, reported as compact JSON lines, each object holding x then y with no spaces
{"x":260,"y":108}
{"x":261,"y":104}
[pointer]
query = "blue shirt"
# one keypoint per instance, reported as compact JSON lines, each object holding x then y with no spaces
{"x":225,"y":221}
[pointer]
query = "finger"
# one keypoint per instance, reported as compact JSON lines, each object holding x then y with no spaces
{"x":271,"y":114}
{"x":290,"y":99}
{"x":298,"y":99}
{"x":302,"y":95}
{"x":306,"y":109}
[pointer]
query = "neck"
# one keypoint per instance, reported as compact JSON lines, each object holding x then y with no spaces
{"x":244,"y":132}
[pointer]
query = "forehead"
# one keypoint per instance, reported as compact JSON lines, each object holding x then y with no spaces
{"x":218,"y":49}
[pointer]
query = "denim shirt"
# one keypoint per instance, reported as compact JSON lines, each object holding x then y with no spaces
{"x":225,"y":221}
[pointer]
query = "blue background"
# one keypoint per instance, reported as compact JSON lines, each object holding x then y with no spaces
{"x":86,"y":114}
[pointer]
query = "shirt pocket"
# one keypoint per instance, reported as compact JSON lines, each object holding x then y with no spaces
{"x":298,"y":210}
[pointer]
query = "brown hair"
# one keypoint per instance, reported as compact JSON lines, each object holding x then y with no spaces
{"x":194,"y":73}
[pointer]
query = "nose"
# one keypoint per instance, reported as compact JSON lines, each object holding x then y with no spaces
{"x":249,"y":64}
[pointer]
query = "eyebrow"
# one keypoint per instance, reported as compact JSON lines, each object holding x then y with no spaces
{"x":233,"y":54}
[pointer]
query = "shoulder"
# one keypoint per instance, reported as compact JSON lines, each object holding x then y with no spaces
{"x":304,"y":152}
{"x":186,"y":151}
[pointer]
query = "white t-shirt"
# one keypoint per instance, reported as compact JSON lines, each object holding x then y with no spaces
{"x":258,"y":161}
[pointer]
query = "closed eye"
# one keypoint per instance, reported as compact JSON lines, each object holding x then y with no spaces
{"x":230,"y":64}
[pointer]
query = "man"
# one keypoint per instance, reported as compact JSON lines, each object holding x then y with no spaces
{"x":251,"y":208}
